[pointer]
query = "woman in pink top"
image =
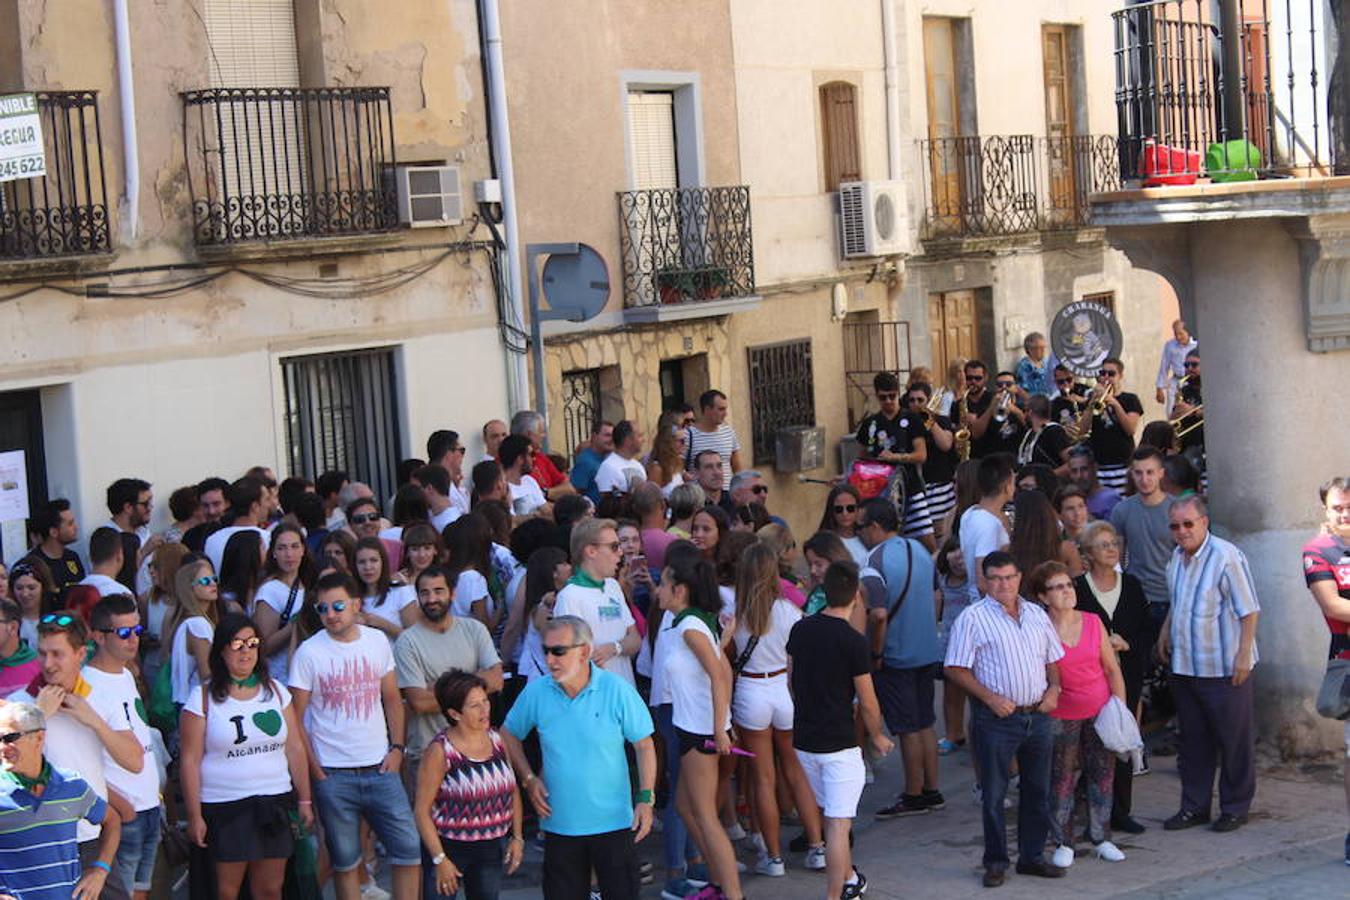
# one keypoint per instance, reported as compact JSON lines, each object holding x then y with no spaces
{"x":1088,"y":675}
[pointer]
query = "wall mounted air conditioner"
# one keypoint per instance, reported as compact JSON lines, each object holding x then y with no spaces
{"x":429,"y":196}
{"x":873,"y":219}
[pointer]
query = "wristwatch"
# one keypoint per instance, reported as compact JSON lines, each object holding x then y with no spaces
{"x":438,"y":859}
{"x":399,"y":747}
{"x":618,"y":648}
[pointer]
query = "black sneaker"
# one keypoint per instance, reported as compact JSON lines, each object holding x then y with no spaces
{"x":855,"y":888}
{"x":1186,"y":819}
{"x":906,"y":805}
{"x":934,"y":799}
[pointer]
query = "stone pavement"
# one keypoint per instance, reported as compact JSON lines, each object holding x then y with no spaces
{"x":1291,"y":849}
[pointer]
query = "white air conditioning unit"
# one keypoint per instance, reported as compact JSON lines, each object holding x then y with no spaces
{"x":429,"y":196}
{"x":873,"y":219}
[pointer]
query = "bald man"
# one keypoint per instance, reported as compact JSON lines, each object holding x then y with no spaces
{"x":1173,"y":364}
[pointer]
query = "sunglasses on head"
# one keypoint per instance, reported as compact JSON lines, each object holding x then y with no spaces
{"x":10,"y":737}
{"x":337,"y":606}
{"x":244,"y":644}
{"x":363,"y":518}
{"x":559,"y":649}
{"x":60,"y":621}
{"x":206,"y":580}
{"x":125,"y":631}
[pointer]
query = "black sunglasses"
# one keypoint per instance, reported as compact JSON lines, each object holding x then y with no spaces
{"x":843,"y":509}
{"x":887,"y":395}
{"x":10,"y":737}
{"x":559,"y":649}
{"x":1111,"y":372}
{"x":975,"y":378}
{"x":1192,"y":365}
{"x":363,"y":518}
{"x":760,"y":489}
{"x":125,"y":631}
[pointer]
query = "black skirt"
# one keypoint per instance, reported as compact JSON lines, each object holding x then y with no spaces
{"x":250,"y":829}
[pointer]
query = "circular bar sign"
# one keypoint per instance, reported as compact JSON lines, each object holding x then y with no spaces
{"x":1082,"y":335}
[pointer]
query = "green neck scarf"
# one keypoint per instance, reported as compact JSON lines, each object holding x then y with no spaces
{"x":24,"y":654}
{"x":581,"y":579}
{"x":28,"y":784}
{"x":250,"y":681}
{"x":707,"y":618}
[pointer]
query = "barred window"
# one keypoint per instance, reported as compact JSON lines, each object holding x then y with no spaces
{"x":581,"y":405}
{"x":782,"y":393}
{"x":342,"y":413}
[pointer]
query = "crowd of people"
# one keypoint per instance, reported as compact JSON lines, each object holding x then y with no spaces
{"x":317,"y":681}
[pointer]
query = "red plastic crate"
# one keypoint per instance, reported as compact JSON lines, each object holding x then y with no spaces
{"x":1169,"y":165}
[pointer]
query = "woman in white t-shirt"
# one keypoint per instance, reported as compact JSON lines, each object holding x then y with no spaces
{"x":196,"y":591}
{"x":244,"y":767}
{"x":841,"y":517}
{"x":761,"y":704}
{"x":386,"y":605}
{"x":281,"y":596}
{"x":156,"y":607}
{"x":696,"y":676}
{"x":547,"y":572}
{"x":469,"y":547}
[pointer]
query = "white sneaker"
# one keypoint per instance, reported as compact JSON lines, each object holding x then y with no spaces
{"x":1063,"y":856}
{"x":1109,"y":852}
{"x":757,"y":841}
{"x":771,"y":865}
{"x":735,"y":832}
{"x":815,"y":858}
{"x":372,"y":891}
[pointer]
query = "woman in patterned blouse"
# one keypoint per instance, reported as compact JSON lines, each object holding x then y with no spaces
{"x":467,"y":800}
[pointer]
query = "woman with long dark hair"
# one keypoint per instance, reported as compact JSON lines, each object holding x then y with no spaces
{"x":841,"y":517}
{"x":545,"y":574}
{"x":1035,"y":534}
{"x":699,"y":681}
{"x":410,"y":508}
{"x":338,"y":549}
{"x":31,"y":585}
{"x":289,"y":573}
{"x":468,"y":540}
{"x":244,"y":767}
{"x":707,"y":528}
{"x":666,"y":467}
{"x":386,"y":604}
{"x":422,"y":547}
{"x":241,"y":571}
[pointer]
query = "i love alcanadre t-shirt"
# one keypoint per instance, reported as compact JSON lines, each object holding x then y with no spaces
{"x":345,"y":716}
{"x":245,"y":750}
{"x":117,"y":702}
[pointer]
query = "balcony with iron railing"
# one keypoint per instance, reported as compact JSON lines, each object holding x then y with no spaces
{"x":63,"y":213}
{"x":285,"y":164}
{"x":685,"y":248}
{"x":1232,"y":90}
{"x":1002,"y":185}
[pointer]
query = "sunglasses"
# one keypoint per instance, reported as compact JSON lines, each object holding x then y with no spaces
{"x":10,"y":737}
{"x":126,"y":631}
{"x":1063,"y":381}
{"x":1191,"y":365}
{"x":613,"y":546}
{"x":887,"y":395}
{"x":363,"y":518}
{"x":1060,"y":586}
{"x":244,"y":644}
{"x":206,"y":580}
{"x":59,"y":621}
{"x":338,"y":606}
{"x":1107,"y":545}
{"x":559,"y":649}
{"x":1104,"y":373}
{"x":1003,"y":384}
{"x":760,"y":489}
{"x":843,"y":509}
{"x":1178,"y":526}
{"x":974,"y":379}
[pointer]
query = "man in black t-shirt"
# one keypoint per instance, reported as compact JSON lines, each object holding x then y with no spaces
{"x":895,"y":436}
{"x":1188,"y":398}
{"x":1045,"y":442}
{"x":1112,"y":438}
{"x":54,"y":528}
{"x":1001,"y":421}
{"x":1068,"y":404}
{"x":939,"y":469}
{"x":830,"y":665}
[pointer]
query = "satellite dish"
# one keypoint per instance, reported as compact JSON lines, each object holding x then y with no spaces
{"x":576,"y":285}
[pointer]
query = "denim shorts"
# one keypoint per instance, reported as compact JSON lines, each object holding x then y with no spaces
{"x":135,"y":859}
{"x":348,"y":795}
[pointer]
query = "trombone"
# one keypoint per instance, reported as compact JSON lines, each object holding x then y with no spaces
{"x":1195,"y":413}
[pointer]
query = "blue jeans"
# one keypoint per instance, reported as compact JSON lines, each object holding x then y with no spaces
{"x":480,"y":862}
{"x":674,"y":833}
{"x":1027,"y":738}
{"x":135,"y":859}
{"x":348,"y":795}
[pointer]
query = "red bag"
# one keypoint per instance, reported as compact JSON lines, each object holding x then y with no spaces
{"x":870,"y":477}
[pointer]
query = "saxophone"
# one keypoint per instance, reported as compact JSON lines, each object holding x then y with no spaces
{"x":962,"y":435}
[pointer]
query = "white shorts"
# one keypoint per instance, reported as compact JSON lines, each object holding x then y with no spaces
{"x":836,"y":779}
{"x":759,"y":703}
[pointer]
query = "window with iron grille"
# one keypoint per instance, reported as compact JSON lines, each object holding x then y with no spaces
{"x":1105,"y":298}
{"x":342,"y":413}
{"x":581,"y":405}
{"x":782,"y":393}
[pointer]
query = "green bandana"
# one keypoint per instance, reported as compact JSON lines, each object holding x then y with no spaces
{"x":707,"y":618}
{"x":44,"y":776}
{"x":250,"y":681}
{"x":22,"y":655}
{"x":581,"y":579}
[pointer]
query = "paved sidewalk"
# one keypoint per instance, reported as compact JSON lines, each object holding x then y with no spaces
{"x":1291,"y":849}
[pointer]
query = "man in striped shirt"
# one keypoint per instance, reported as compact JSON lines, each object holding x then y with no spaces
{"x":1210,"y":637}
{"x":39,"y":808}
{"x":711,"y":432}
{"x":1003,"y":651}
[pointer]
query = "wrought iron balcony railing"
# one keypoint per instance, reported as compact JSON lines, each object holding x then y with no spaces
{"x":65,"y":212}
{"x":1232,"y":89}
{"x":268,"y":164}
{"x":686,"y":244}
{"x":985,"y":185}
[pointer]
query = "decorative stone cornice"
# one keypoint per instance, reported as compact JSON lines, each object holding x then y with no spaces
{"x":1324,"y":251}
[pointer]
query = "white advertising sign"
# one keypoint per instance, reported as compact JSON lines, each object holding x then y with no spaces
{"x":22,"y":154}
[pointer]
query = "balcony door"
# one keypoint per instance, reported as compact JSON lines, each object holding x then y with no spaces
{"x":953,"y":329}
{"x":950,"y":171}
{"x":1060,"y":93}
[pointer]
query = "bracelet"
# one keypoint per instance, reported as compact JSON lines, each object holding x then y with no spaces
{"x":398,"y":747}
{"x":517,"y":838}
{"x":644,"y":796}
{"x":438,"y":858}
{"x":100,"y":864}
{"x":305,"y":802}
{"x":528,"y":778}
{"x":618,"y":648}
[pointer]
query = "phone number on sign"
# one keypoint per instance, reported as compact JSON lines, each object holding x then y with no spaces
{"x":22,"y":167}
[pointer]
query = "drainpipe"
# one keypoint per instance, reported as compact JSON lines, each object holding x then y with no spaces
{"x":517,"y":378}
{"x":131,"y":157}
{"x":892,"y":89}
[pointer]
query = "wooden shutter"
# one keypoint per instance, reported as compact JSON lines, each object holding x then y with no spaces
{"x":651,"y":134}
{"x":839,"y":127}
{"x":252,"y":43}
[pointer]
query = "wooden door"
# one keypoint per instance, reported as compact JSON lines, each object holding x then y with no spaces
{"x":945,"y":162}
{"x":1059,"y":98}
{"x":1255,"y":69}
{"x":953,"y":329}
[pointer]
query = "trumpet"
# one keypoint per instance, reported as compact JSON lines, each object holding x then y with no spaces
{"x":1001,"y":411}
{"x":1099,"y":402}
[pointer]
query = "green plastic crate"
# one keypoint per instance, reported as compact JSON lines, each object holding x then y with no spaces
{"x":1232,"y":161}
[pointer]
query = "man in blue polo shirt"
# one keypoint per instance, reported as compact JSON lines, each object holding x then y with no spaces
{"x":584,"y":716}
{"x":39,"y":806}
